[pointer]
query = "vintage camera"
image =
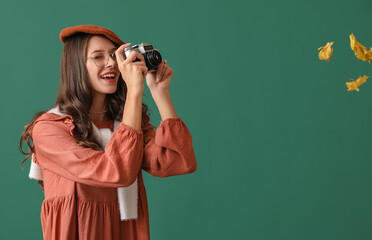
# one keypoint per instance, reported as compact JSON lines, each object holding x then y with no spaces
{"x":152,"y":57}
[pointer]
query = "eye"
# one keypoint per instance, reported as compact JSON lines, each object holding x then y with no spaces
{"x":98,"y":57}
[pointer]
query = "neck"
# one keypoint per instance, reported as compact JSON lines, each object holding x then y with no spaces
{"x":101,"y":117}
{"x":98,"y":108}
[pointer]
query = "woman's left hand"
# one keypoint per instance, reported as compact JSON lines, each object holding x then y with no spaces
{"x":160,"y":79}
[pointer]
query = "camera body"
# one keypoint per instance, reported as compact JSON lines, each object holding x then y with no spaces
{"x":152,"y":57}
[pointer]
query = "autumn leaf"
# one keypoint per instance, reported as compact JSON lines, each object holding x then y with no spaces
{"x":360,"y":50}
{"x":354,"y":85}
{"x":369,"y":54}
{"x":326,"y":51}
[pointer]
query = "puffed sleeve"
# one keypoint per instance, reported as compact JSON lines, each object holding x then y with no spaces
{"x":169,"y":150}
{"x":56,"y":150}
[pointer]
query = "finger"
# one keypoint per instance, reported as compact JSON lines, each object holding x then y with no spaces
{"x":159,"y":71}
{"x":135,"y":55}
{"x":139,"y":63}
{"x":164,"y":69}
{"x":164,"y":73}
{"x":119,"y":53}
{"x":168,"y":72}
{"x":144,"y":71}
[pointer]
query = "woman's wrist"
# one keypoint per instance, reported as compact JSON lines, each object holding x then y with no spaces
{"x":164,"y":103}
{"x":158,"y":93}
{"x":134,"y":93}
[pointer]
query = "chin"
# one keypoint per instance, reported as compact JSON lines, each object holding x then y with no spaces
{"x":106,"y":90}
{"x":111,"y":91}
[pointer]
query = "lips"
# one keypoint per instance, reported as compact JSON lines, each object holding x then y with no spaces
{"x":108,"y":77}
{"x":109,"y":80}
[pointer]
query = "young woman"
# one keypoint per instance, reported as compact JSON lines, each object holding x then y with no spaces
{"x":89,"y":149}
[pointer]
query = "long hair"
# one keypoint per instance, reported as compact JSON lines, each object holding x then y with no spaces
{"x":75,"y":96}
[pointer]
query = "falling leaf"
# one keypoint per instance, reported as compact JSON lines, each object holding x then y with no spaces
{"x":369,"y":54}
{"x":326,"y":52}
{"x":360,"y":50}
{"x":354,"y":85}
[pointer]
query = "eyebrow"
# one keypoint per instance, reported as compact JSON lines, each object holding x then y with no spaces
{"x":103,"y":50}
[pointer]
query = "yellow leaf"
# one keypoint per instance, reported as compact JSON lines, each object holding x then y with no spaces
{"x":326,"y":52}
{"x":354,"y":85}
{"x":369,"y":54}
{"x":360,"y":50}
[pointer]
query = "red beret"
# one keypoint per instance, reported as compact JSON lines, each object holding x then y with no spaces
{"x":67,"y":32}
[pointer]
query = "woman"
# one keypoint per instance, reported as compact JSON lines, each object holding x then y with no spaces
{"x":91,"y":193}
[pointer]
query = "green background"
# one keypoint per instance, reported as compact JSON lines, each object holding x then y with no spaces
{"x":283,"y":150}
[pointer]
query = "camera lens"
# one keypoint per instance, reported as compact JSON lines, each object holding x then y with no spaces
{"x":154,"y":58}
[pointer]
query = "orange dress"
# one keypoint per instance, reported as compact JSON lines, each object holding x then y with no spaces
{"x":80,"y":184}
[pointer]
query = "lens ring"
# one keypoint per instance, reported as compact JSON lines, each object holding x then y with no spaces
{"x":154,"y":58}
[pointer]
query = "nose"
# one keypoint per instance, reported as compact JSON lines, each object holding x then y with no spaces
{"x":111,"y":60}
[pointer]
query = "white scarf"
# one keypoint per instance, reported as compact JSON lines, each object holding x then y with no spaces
{"x":127,"y":196}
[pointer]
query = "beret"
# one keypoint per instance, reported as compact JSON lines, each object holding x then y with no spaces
{"x":67,"y":32}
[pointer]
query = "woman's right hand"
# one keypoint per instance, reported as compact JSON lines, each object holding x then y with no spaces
{"x":133,"y":73}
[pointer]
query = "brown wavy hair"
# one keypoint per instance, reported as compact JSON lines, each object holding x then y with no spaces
{"x":75,"y":96}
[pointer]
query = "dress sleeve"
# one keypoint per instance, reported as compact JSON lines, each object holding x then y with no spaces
{"x":56,"y":150}
{"x":169,"y":151}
